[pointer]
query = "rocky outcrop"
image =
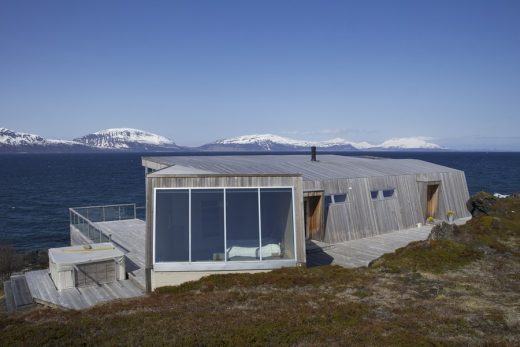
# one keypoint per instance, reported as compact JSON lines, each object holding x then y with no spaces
{"x":481,"y":204}
{"x":443,"y":231}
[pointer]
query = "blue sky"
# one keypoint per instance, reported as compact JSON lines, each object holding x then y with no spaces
{"x":196,"y":71}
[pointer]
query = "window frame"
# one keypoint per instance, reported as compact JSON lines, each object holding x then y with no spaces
{"x":378,"y":196}
{"x":226,"y":264}
{"x":381,"y":196}
{"x":333,"y":199}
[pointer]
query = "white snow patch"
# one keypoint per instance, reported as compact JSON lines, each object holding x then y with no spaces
{"x":14,"y":138}
{"x":410,"y":143}
{"x":135,"y":135}
{"x":266,"y":140}
{"x":123,"y":138}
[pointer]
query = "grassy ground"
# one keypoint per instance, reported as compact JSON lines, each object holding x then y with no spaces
{"x":462,"y":291}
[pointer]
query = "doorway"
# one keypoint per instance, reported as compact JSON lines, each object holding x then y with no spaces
{"x":313,"y":211}
{"x":432,"y":200}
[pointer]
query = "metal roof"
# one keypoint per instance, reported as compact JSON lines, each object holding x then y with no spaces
{"x":327,"y":167}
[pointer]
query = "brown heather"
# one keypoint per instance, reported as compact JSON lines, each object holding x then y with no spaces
{"x":464,"y":291}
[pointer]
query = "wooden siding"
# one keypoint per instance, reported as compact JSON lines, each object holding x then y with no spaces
{"x":159,"y":181}
{"x":361,"y":216}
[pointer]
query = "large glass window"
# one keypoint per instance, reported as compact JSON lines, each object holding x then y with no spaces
{"x":223,"y":224}
{"x":207,"y":225}
{"x":242,"y":229}
{"x":277,"y":223}
{"x":172,"y":225}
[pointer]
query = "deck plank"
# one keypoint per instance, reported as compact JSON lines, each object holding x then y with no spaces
{"x":361,"y":252}
{"x":9,"y":298}
{"x":129,"y":236}
{"x":22,"y":295}
{"x":42,"y":289}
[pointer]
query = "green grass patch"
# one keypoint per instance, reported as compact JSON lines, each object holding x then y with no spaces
{"x":435,"y":256}
{"x":285,"y":278}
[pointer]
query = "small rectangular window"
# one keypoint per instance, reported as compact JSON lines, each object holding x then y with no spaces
{"x":374,"y":194}
{"x":388,"y":193}
{"x":339,"y":198}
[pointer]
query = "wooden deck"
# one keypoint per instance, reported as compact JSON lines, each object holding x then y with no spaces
{"x":37,"y":286}
{"x":17,"y":294}
{"x":129,"y":236}
{"x":361,"y":252}
{"x":44,"y":292}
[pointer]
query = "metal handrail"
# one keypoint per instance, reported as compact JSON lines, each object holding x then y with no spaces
{"x":78,"y":219}
{"x":101,"y":206}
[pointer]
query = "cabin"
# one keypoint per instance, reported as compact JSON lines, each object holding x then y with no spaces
{"x":241,"y":213}
{"x":251,"y":213}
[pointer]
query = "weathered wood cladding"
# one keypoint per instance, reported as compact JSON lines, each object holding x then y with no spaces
{"x":214,"y":181}
{"x":361,"y":216}
{"x":358,"y":217}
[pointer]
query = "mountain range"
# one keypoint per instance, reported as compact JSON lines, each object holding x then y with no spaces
{"x":135,"y":140}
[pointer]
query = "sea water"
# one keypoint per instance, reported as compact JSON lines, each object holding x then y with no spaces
{"x":36,"y":190}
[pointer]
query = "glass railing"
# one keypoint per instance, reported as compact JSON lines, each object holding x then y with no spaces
{"x":84,"y":219}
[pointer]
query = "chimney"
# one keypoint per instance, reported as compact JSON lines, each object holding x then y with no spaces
{"x":313,"y":153}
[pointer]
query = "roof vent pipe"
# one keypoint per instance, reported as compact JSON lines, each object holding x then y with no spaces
{"x":313,"y":153}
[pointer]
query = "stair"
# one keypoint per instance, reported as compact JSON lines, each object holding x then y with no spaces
{"x":17,"y":294}
{"x":9,"y":298}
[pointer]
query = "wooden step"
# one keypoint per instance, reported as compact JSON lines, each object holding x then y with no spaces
{"x":9,"y":298}
{"x":21,"y":293}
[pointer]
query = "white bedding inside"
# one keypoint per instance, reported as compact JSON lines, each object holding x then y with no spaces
{"x":269,"y":250}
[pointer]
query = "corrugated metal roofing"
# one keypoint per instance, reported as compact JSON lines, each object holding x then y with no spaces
{"x":327,"y":166}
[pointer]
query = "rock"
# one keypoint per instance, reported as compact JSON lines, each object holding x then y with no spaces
{"x":443,"y":231}
{"x":481,"y":204}
{"x":515,"y":196}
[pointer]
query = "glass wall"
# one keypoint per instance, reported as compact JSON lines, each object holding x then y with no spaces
{"x":172,"y":225}
{"x":207,"y":225}
{"x":242,"y":228}
{"x":277,"y":223}
{"x":224,"y":225}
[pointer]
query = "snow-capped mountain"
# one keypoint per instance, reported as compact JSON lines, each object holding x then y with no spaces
{"x":127,"y":139}
{"x":270,"y":142}
{"x":12,"y":141}
{"x":408,"y":143}
{"x":123,"y":139}
{"x":9,"y":137}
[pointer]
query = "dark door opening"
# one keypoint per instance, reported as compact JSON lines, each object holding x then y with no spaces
{"x":313,"y":211}
{"x":432,"y":200}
